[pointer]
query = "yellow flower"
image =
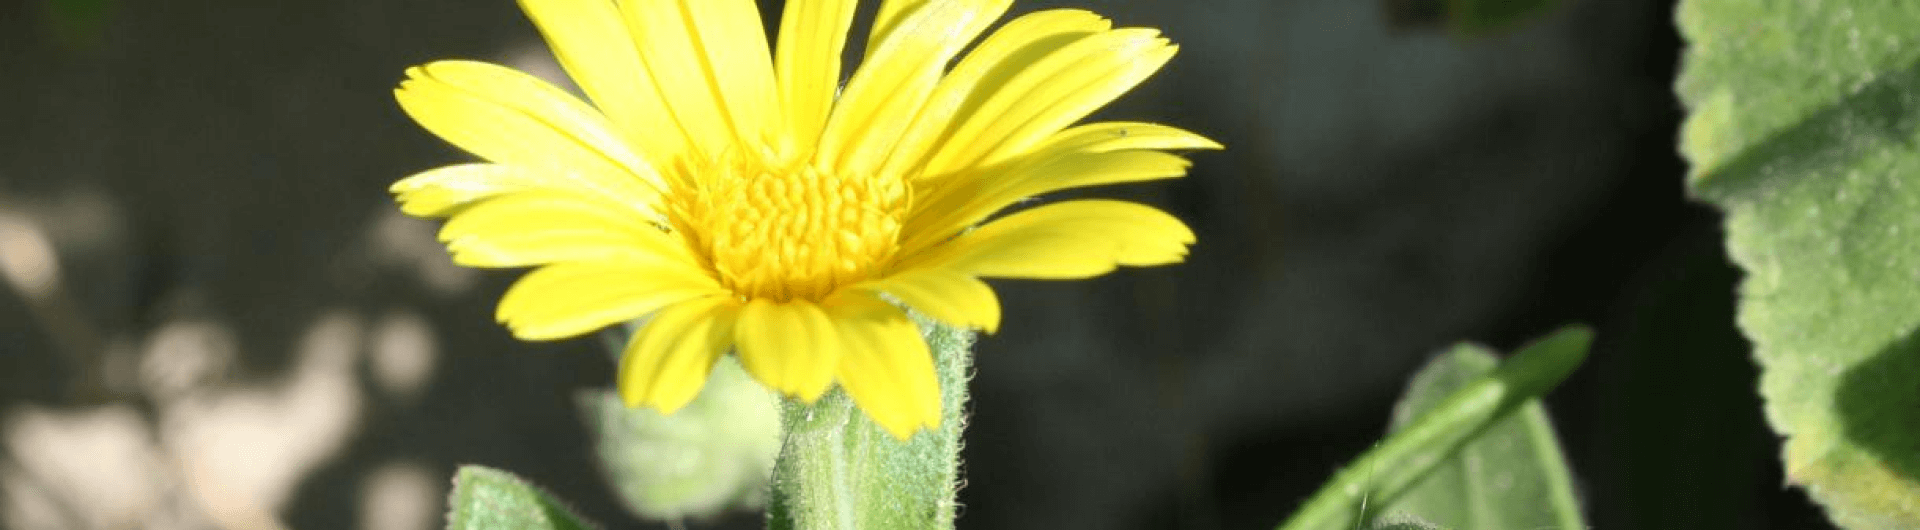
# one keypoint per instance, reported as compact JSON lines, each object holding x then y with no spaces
{"x":750,"y":203}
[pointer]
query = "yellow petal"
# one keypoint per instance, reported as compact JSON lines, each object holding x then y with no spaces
{"x":669,"y":358}
{"x":546,"y":226}
{"x":969,"y":200}
{"x":572,"y":298}
{"x":440,"y":191}
{"x":789,"y":346}
{"x":950,"y":297}
{"x":1068,"y":240}
{"x":887,"y":19}
{"x":511,"y":118}
{"x":891,"y":86}
{"x":981,"y":72}
{"x":1048,"y":93}
{"x":807,"y":63}
{"x":592,"y":43}
{"x":735,"y":43}
{"x":709,"y":59}
{"x":1076,"y":157}
{"x":886,"y":367}
{"x":1110,"y":136}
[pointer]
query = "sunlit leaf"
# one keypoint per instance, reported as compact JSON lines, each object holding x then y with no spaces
{"x":1802,"y":127}
{"x":490,"y":499}
{"x":1430,"y":439}
{"x":1511,"y":477}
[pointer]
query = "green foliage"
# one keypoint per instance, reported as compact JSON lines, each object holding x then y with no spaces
{"x":1510,"y":477}
{"x":1477,"y":17}
{"x":490,"y":499}
{"x":1401,"y":521}
{"x":840,"y":470}
{"x":1802,"y":128}
{"x":715,"y":454}
{"x":1382,"y":475}
{"x":78,"y":23}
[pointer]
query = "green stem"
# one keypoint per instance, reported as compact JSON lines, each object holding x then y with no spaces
{"x":838,"y":470}
{"x":1382,"y":474}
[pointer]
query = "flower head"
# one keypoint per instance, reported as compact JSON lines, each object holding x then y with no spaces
{"x":749,"y":203}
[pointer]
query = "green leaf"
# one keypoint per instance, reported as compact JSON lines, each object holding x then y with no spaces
{"x":1401,"y":521}
{"x":715,"y":454}
{"x":490,"y":499}
{"x":1479,"y":17}
{"x":1802,"y":127}
{"x":1408,"y":455}
{"x":1511,"y":477}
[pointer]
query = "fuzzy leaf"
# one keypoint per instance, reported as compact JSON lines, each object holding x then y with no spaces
{"x":1802,"y":127}
{"x":840,"y":470}
{"x":490,"y":499}
{"x":716,"y":453}
{"x":1401,"y":521}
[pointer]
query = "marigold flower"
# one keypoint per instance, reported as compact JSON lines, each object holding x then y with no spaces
{"x":750,"y":203}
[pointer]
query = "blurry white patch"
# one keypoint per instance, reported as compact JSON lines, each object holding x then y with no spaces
{"x":76,"y":220}
{"x":411,"y":243}
{"x":534,"y":59}
{"x":404,"y":352}
{"x":243,"y":451}
{"x":183,"y":355}
{"x":27,"y":258}
{"x":225,"y":457}
{"x":94,"y":468}
{"x":28,"y":506}
{"x":400,"y":496}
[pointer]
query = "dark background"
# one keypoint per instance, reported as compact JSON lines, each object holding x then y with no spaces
{"x":245,"y":334}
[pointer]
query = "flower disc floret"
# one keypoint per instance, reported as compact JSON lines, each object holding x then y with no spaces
{"x":790,"y":231}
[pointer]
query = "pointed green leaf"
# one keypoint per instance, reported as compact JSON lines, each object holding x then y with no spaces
{"x":490,"y":499}
{"x":1407,"y":456}
{"x":1511,"y":477}
{"x":1803,"y":126}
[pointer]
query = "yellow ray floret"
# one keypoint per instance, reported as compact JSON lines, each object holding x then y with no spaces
{"x":749,"y":203}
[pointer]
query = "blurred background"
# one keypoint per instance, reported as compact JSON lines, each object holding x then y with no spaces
{"x":217,"y":319}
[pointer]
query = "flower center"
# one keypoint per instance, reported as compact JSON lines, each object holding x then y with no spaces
{"x":787,"y":231}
